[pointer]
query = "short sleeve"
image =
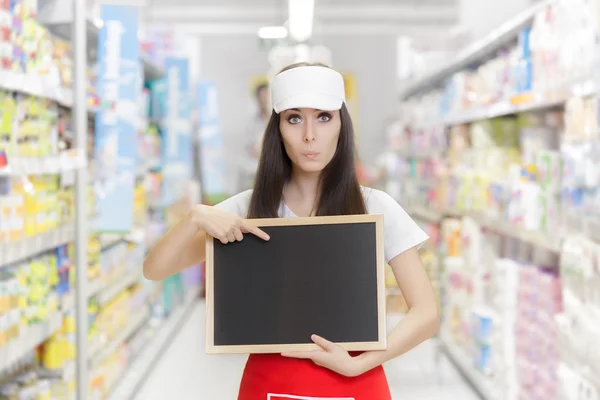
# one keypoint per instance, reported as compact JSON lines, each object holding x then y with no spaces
{"x":237,"y":204}
{"x":401,"y":232}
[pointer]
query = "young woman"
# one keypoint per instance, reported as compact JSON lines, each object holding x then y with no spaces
{"x":306,"y":169}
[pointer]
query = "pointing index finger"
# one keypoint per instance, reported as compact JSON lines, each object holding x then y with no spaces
{"x":255,"y":230}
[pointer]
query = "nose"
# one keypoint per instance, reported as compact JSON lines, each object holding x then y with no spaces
{"x":309,"y":133}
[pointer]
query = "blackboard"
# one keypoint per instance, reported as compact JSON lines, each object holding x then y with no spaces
{"x":318,"y":275}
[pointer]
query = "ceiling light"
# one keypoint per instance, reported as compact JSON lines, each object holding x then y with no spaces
{"x":301,"y":13}
{"x":272,"y":32}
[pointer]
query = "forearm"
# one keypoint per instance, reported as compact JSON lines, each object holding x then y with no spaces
{"x":418,"y":325}
{"x":175,"y":251}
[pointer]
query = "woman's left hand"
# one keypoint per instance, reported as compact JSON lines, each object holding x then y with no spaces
{"x":331,"y":356}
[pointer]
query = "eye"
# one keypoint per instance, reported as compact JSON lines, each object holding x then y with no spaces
{"x":325,"y":117}
{"x":294,"y":119}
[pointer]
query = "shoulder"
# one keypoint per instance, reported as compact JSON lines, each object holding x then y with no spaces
{"x":237,"y":204}
{"x":378,"y":201}
{"x":401,"y":232}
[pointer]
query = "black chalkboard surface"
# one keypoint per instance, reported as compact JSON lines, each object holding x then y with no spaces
{"x":318,"y":275}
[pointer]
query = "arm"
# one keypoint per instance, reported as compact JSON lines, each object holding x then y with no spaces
{"x":181,"y":247}
{"x":422,"y":320}
{"x":184,"y":245}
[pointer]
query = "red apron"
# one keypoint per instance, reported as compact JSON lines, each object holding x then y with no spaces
{"x":273,"y":377}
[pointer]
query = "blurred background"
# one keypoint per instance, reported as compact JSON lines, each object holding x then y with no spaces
{"x":480,"y":117}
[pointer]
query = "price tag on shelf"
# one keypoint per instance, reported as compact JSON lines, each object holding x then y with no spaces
{"x":16,"y":82}
{"x":37,"y":242}
{"x":22,"y":167}
{"x":67,"y":178}
{"x":72,"y":159}
{"x":33,"y":85}
{"x":67,"y":97}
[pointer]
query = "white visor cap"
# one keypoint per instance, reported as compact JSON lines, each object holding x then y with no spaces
{"x":316,"y":87}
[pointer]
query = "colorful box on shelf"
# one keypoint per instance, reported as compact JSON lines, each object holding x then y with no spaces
{"x":65,"y":161}
{"x":103,"y":352}
{"x":141,"y":366}
{"x":32,"y":337}
{"x":13,"y":252}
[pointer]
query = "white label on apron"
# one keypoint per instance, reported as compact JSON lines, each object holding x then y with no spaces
{"x":273,"y":396}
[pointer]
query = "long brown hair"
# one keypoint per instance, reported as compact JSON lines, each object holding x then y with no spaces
{"x":340,"y":190}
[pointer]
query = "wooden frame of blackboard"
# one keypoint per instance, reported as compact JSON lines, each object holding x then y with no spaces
{"x":380,"y":344}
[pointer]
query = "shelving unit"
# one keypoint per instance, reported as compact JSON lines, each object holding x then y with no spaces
{"x":33,"y":336}
{"x":477,"y":51}
{"x":69,"y":21}
{"x":502,"y":193}
{"x":107,"y":292}
{"x":13,"y":252}
{"x":104,"y":350}
{"x":549,"y":242}
{"x":143,"y":365}
{"x":475,"y":377}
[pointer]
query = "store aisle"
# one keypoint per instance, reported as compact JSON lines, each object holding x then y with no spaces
{"x":187,"y":373}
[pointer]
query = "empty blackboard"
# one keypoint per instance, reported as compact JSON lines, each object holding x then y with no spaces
{"x":318,"y":275}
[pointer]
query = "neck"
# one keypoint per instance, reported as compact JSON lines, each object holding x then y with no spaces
{"x":303,"y":186}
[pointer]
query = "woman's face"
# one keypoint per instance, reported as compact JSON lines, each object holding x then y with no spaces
{"x":310,"y":137}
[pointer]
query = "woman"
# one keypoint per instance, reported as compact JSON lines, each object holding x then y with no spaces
{"x":307,"y":168}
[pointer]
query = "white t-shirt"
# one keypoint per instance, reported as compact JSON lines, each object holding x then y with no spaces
{"x":400,"y":231}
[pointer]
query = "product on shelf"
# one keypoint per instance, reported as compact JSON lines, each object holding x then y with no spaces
{"x":579,"y":323}
{"x":500,"y":310}
{"x":523,"y":190}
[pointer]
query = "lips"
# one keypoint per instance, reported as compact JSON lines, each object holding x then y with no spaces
{"x":311,"y":154}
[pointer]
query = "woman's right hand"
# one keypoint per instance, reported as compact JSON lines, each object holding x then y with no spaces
{"x":225,"y":226}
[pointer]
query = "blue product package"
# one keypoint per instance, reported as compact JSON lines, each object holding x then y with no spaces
{"x":527,"y":75}
{"x":483,"y":360}
{"x":158,"y":98}
{"x":524,"y":43}
{"x":483,"y":324}
{"x":63,"y":266}
{"x":524,"y":77}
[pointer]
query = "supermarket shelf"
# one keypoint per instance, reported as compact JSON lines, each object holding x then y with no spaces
{"x":108,"y":240}
{"x":32,"y":337}
{"x":105,"y":350}
{"x":539,"y":239}
{"x":95,"y":287}
{"x":549,"y":242}
{"x":65,"y":161}
{"x":35,"y":85}
{"x":419,"y":154}
{"x":475,"y":378}
{"x":112,"y":290}
{"x":584,"y":86}
{"x":425,"y":213}
{"x":58,"y":20}
{"x":500,"y":109}
{"x":477,"y":51}
{"x":13,"y":252}
{"x":104,"y":292}
{"x":141,"y":367}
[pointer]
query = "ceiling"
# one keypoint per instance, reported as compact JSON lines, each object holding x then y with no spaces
{"x":415,"y":18}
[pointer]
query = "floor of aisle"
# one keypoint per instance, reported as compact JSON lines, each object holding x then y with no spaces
{"x":185,"y":372}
